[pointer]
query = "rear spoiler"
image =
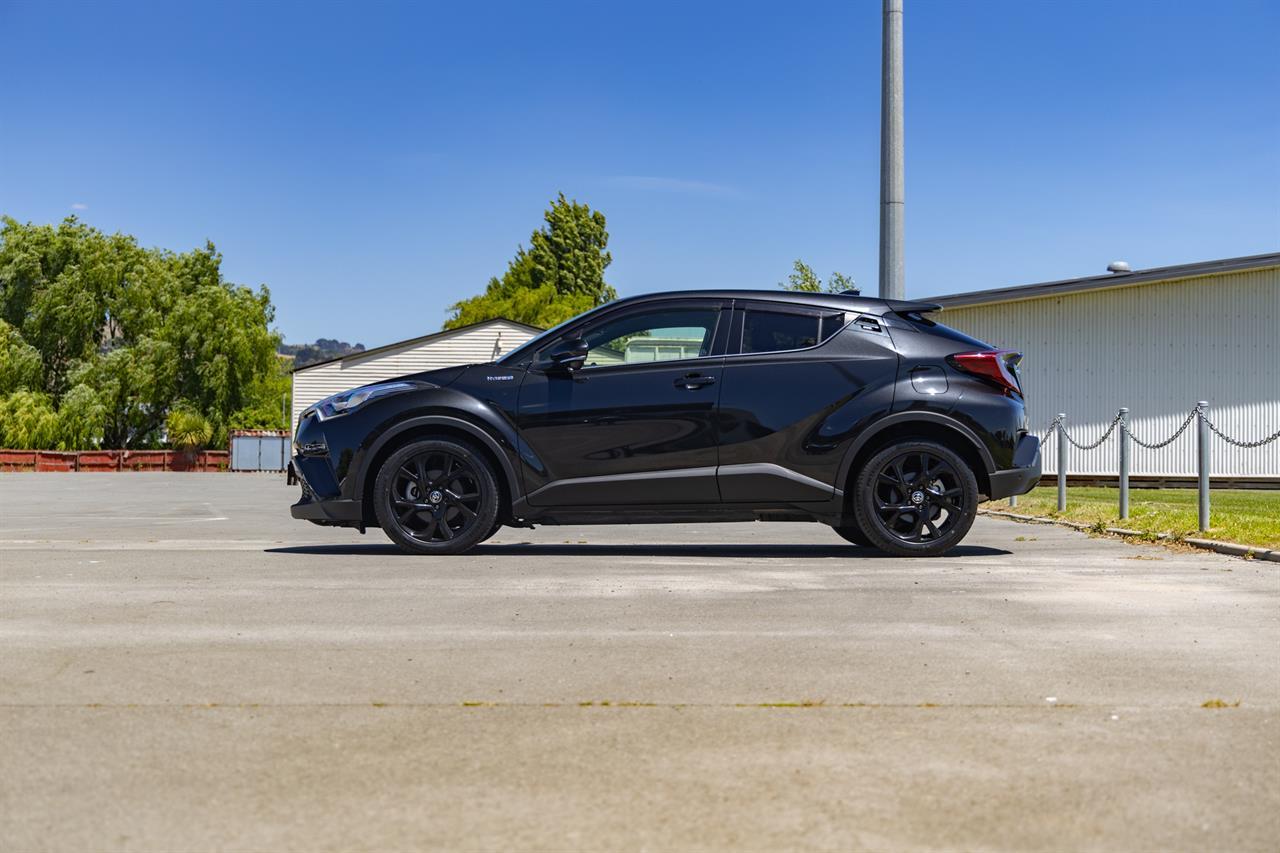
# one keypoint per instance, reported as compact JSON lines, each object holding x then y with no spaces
{"x":905,"y":309}
{"x":902,"y":306}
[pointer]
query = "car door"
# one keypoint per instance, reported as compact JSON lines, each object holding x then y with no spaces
{"x":635,"y":424}
{"x":798,"y":381}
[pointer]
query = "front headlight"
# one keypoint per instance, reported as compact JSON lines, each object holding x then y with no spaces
{"x":349,"y":401}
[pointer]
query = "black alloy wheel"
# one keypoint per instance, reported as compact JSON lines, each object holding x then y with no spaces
{"x":916,"y":498}
{"x":436,"y":497}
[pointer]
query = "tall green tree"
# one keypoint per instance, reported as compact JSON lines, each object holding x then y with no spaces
{"x":560,"y":275}
{"x":803,"y":278}
{"x":118,"y":333}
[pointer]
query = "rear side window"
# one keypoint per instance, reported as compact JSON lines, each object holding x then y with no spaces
{"x":776,"y":331}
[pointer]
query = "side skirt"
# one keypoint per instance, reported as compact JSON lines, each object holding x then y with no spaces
{"x":825,"y":512}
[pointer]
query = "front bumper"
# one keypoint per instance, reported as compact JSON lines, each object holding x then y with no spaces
{"x":328,"y":511}
{"x":336,"y":512}
{"x":1023,"y":477}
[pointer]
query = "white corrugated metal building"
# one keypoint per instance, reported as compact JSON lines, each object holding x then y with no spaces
{"x":471,"y":344}
{"x":1155,"y":340}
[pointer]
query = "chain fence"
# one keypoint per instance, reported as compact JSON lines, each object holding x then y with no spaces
{"x":1199,"y":414}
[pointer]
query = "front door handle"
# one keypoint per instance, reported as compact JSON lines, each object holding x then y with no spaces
{"x":694,"y":380}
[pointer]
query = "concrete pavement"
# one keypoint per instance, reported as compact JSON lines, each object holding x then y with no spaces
{"x":185,"y":667}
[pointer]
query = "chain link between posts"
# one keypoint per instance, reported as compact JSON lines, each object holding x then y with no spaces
{"x":1062,"y":430}
{"x":1235,"y":441}
{"x":1156,"y":445}
{"x":1196,"y":412}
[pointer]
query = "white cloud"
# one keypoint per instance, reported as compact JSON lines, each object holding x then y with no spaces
{"x":79,"y":205}
{"x":671,"y":185}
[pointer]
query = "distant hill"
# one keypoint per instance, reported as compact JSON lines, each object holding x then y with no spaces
{"x":322,"y":350}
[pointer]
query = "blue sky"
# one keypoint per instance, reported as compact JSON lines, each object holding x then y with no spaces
{"x":374,"y":162}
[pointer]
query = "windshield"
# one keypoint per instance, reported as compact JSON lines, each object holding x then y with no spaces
{"x":529,"y":347}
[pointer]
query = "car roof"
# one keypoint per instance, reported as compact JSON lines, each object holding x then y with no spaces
{"x":838,"y":301}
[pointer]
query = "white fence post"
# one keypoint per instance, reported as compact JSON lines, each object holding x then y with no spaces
{"x":1124,"y":463}
{"x":1203,"y":434}
{"x":1062,"y":462}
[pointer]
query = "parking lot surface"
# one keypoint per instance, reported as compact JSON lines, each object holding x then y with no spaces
{"x":186,"y":667}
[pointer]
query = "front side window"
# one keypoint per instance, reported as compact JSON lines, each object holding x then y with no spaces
{"x":667,"y":334}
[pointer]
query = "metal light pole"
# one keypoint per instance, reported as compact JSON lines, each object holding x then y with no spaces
{"x":892,"y":187}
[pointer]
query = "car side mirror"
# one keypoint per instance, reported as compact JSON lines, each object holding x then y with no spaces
{"x":569,"y":355}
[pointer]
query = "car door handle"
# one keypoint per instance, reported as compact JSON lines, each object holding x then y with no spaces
{"x":694,"y":380}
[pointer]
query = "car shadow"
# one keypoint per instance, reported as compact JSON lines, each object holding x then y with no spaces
{"x":555,"y":549}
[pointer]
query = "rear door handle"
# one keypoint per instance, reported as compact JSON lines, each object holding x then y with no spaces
{"x":694,"y":380}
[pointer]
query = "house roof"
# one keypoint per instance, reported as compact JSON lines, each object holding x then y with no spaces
{"x":419,"y":340}
{"x":1098,"y":282}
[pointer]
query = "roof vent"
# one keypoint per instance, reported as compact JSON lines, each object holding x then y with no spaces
{"x":1118,"y":267}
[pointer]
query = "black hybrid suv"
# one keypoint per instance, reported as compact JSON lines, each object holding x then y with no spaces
{"x":859,"y":413}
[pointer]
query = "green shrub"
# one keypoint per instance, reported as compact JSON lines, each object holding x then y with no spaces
{"x":188,"y":429}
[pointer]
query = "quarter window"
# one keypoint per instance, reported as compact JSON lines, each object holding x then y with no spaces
{"x":671,"y":334}
{"x":775,"y":331}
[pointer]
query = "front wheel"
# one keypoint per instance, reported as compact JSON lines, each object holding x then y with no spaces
{"x":436,"y":497}
{"x":853,"y":533}
{"x":915,"y":499}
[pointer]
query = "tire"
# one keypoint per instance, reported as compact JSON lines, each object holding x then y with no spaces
{"x":461,"y":482}
{"x":853,"y":533}
{"x":915,"y":499}
{"x":492,"y":533}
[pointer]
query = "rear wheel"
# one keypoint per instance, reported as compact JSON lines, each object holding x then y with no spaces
{"x":915,"y":499}
{"x":436,"y":497}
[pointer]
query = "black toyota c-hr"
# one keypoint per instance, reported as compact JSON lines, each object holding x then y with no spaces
{"x":859,"y":413}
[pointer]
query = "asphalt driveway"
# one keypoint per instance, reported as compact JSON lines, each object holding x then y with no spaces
{"x":183,"y":666}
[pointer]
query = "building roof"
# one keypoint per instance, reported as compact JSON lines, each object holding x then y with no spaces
{"x":1098,"y":282}
{"x":447,"y":333}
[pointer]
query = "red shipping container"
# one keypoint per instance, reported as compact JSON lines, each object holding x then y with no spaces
{"x":53,"y":460}
{"x":17,"y":460}
{"x":215,"y":460}
{"x":145,"y":460}
{"x":99,"y":460}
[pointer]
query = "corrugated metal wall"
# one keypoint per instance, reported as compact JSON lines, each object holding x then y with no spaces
{"x":466,"y":346}
{"x":1156,"y":348}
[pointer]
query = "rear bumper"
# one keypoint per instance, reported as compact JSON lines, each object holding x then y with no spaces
{"x":1023,"y":477}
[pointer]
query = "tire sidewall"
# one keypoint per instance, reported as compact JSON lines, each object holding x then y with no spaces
{"x":852,"y":532}
{"x":481,"y":526}
{"x":868,"y":519}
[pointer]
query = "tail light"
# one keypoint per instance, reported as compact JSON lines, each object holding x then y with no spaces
{"x":999,"y":366}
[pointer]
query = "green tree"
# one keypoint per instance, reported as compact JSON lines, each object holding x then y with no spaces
{"x":803,"y":278}
{"x":138,"y":328}
{"x":268,"y":401}
{"x":560,"y":275}
{"x":81,"y":419}
{"x":28,"y":421}
{"x":20,"y":365}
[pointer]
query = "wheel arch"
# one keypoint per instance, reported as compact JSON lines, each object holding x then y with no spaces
{"x":929,"y":426}
{"x":438,"y":426}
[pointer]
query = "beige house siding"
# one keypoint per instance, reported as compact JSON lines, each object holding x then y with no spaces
{"x":1155,"y":347}
{"x":474,"y":344}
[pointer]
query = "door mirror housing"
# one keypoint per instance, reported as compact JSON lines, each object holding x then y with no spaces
{"x":568,"y":356}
